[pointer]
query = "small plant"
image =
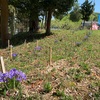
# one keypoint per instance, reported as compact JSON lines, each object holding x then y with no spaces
{"x":84,"y":66}
{"x":14,"y":55}
{"x":90,"y":48}
{"x":96,"y":96}
{"x":11,"y":80}
{"x":71,"y":71}
{"x":47,"y":87}
{"x":78,"y":77}
{"x":76,"y":74}
{"x":88,"y":72}
{"x":59,"y":93}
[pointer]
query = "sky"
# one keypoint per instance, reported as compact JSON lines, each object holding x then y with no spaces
{"x":97,"y":4}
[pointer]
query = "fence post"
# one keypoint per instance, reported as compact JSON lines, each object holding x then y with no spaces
{"x":50,"y":55}
{"x":11,"y":51}
{"x":2,"y":64}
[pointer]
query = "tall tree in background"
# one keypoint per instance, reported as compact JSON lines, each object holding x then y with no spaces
{"x":29,"y":9}
{"x":12,"y":14}
{"x":87,"y":9}
{"x":75,"y":14}
{"x":55,"y":6}
{"x":4,"y":22}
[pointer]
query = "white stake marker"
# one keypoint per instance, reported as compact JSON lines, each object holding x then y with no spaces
{"x":11,"y":51}
{"x":50,"y":56}
{"x":8,"y":44}
{"x":2,"y":64}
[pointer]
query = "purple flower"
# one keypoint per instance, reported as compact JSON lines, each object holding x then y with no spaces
{"x":38,"y":48}
{"x":19,"y":75}
{"x":78,"y":43}
{"x":13,"y":73}
{"x":56,"y":41}
{"x":86,"y":37}
{"x":14,"y":55}
{"x":1,"y":75}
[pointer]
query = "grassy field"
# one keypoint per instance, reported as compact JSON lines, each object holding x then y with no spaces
{"x":75,"y":70}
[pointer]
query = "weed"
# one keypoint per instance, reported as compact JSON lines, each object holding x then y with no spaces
{"x":84,"y":66}
{"x":78,"y":77}
{"x":76,"y":74}
{"x":59,"y":93}
{"x":47,"y":87}
{"x":96,"y":96}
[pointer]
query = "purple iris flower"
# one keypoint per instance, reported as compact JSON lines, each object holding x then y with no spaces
{"x":1,"y":77}
{"x":78,"y":43}
{"x":56,"y":41}
{"x":86,"y":37}
{"x":4,"y":77}
{"x":19,"y":75}
{"x":38,"y":48}
{"x":14,"y":55}
{"x":13,"y":73}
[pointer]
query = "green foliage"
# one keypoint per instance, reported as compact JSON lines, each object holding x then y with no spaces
{"x":86,"y":10}
{"x":75,"y":14}
{"x":47,"y":87}
{"x":96,"y":96}
{"x":58,"y":6}
{"x":76,"y":74}
{"x":59,"y":93}
{"x":65,"y":23}
{"x":94,"y":17}
{"x":84,"y":66}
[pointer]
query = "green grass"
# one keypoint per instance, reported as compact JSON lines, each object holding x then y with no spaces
{"x":63,"y":43}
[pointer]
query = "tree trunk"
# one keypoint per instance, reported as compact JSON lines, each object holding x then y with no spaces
{"x":83,"y":23}
{"x":33,"y":22}
{"x":48,"y":22}
{"x":30,"y":25}
{"x":45,"y":24}
{"x":12,"y":24}
{"x":33,"y":25}
{"x":4,"y":22}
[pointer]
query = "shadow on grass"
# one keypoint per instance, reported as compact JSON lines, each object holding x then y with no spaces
{"x":21,"y":37}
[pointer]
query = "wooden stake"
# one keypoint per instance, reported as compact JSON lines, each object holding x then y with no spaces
{"x":50,"y":56}
{"x":8,"y":44}
{"x":2,"y":65}
{"x":25,"y":42}
{"x":11,"y":51}
{"x":37,"y":43}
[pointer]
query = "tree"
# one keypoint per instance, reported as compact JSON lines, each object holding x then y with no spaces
{"x":55,"y":6}
{"x":4,"y":22}
{"x":12,"y":14}
{"x":86,"y":10}
{"x":29,"y":9}
{"x":75,"y":14}
{"x":94,"y":17}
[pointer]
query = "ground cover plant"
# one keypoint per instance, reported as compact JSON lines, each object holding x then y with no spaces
{"x":75,"y":70}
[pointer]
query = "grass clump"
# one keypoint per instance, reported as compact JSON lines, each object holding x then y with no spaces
{"x":47,"y":87}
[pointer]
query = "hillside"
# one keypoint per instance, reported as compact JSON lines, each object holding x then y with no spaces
{"x":74,"y":72}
